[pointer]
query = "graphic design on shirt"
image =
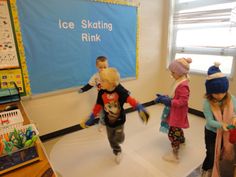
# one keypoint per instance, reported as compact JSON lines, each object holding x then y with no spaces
{"x":111,"y":106}
{"x":98,"y":84}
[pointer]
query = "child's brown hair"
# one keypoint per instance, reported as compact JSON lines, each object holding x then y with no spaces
{"x":214,"y":103}
{"x":101,"y":59}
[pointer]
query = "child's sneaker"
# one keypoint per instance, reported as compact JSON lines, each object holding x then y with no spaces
{"x":207,"y":173}
{"x":118,"y":157}
{"x":171,"y":157}
{"x":204,"y":173}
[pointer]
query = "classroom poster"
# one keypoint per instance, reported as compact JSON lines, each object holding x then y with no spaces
{"x":13,"y":68}
{"x":8,"y":55}
{"x":9,"y":77}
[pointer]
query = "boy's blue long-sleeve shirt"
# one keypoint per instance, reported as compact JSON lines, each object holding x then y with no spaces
{"x":211,"y":123}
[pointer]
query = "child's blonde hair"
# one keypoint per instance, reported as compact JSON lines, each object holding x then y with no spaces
{"x":111,"y":75}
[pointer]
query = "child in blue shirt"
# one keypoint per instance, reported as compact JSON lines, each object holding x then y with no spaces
{"x":219,"y":111}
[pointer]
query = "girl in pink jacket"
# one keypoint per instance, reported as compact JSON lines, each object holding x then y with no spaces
{"x":176,"y":105}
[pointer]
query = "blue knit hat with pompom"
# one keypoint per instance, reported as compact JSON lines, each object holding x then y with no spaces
{"x":216,"y":81}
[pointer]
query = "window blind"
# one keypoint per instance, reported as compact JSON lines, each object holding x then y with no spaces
{"x":203,"y":30}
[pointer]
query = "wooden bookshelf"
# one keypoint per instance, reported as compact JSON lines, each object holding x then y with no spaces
{"x":37,"y":167}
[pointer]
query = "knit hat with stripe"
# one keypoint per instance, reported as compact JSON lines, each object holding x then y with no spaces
{"x":216,"y":81}
{"x":180,"y":66}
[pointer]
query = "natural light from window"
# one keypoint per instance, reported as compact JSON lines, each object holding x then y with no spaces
{"x":201,"y":63}
{"x":210,"y":39}
{"x":214,"y":37}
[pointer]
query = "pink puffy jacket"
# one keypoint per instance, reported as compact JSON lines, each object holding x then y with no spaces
{"x":178,"y":116}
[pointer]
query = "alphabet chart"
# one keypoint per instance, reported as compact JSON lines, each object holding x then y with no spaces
{"x":8,"y":54}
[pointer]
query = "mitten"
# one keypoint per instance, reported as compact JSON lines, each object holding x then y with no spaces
{"x":159,"y":96}
{"x":164,"y":100}
{"x":91,"y":120}
{"x":143,"y":114}
{"x":224,"y":126}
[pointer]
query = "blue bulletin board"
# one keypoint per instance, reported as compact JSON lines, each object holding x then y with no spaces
{"x":62,"y":39}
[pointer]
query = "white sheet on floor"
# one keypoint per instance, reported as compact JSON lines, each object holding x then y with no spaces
{"x":87,"y":153}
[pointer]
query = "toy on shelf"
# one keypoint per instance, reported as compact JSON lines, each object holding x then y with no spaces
{"x":16,"y":138}
{"x":18,"y":146}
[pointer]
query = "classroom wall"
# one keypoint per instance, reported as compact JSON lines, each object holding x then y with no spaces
{"x":51,"y":113}
{"x":59,"y":111}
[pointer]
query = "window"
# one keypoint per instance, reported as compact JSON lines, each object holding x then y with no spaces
{"x":205,"y":31}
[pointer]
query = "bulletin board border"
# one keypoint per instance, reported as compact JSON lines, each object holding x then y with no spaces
{"x":19,"y":46}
